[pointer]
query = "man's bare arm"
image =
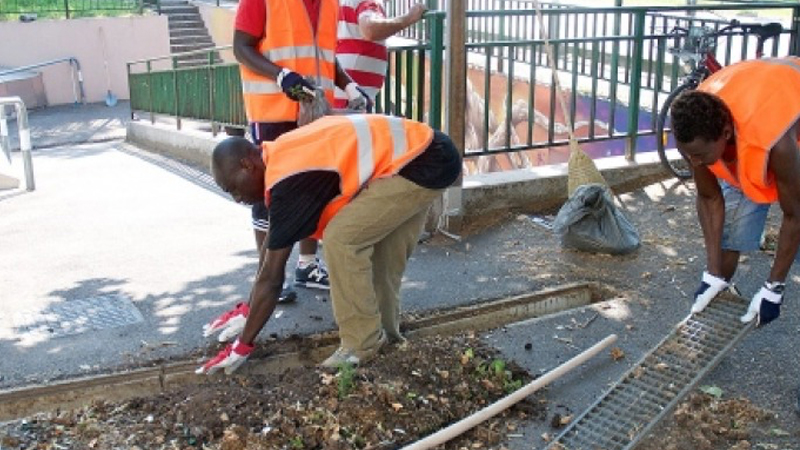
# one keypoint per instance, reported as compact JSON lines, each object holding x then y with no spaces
{"x":784,"y":162}
{"x":375,"y":27}
{"x":265,"y":292}
{"x":711,"y":214}
{"x":245,"y":49}
{"x":342,"y":78}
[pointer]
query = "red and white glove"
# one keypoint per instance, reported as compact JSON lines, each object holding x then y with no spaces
{"x":229,"y":324}
{"x":230,"y":358}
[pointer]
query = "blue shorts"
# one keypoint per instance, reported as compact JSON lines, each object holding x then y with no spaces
{"x":744,"y":220}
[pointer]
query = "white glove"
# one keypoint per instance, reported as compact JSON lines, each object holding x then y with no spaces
{"x":766,"y":304}
{"x":358,"y":100}
{"x":229,"y":324}
{"x":233,"y":356}
{"x":710,"y":286}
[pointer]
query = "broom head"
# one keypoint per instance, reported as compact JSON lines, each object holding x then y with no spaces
{"x":581,"y":169}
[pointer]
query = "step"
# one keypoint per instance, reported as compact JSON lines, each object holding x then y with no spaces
{"x":202,"y":41}
{"x":188,"y":32}
{"x":186,"y":24}
{"x":179,"y":9}
{"x":190,"y":47}
{"x":181,"y":17}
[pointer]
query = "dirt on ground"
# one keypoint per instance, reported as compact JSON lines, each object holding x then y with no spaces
{"x":400,"y":397}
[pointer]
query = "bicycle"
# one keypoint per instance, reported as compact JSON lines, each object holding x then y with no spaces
{"x":698,"y":50}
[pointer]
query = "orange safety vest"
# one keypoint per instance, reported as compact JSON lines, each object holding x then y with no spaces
{"x":359,"y":147}
{"x":290,"y":41}
{"x":763,"y":96}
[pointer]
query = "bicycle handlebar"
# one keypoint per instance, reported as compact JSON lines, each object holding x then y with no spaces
{"x":764,"y":31}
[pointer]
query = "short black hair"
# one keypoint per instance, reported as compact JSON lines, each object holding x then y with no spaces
{"x":227,"y":153}
{"x":697,"y":114}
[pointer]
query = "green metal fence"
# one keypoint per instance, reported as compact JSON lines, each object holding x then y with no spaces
{"x":13,"y":9}
{"x":613,"y":63}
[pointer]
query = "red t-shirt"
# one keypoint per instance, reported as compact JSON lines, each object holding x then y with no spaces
{"x":251,"y":16}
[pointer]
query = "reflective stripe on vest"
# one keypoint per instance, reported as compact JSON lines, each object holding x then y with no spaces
{"x":359,"y":147}
{"x":277,"y":55}
{"x":290,"y":42}
{"x":271,"y":87}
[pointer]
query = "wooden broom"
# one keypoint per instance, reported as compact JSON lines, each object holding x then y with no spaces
{"x":580,"y":168}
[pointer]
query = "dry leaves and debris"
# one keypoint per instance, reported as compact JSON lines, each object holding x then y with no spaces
{"x":404,"y":395}
{"x":707,"y":422}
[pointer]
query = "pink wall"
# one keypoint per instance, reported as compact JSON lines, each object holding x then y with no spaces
{"x":219,"y":22}
{"x":128,"y":38}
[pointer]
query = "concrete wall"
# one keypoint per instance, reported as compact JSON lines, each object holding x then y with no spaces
{"x":219,"y":22}
{"x":128,"y":38}
{"x":525,"y":190}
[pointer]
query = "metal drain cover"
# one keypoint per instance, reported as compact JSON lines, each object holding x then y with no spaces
{"x":77,"y":316}
{"x":654,"y":386}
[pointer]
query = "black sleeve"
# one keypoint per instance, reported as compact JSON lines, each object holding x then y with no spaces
{"x":437,"y":167}
{"x":296,"y":204}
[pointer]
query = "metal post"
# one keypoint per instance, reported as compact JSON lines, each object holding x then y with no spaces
{"x":150,"y":91}
{"x":794,"y":43}
{"x":437,"y":64}
{"x":66,"y":7}
{"x":5,"y":144}
{"x":456,"y":76}
{"x":24,"y":136}
{"x":636,"y":84}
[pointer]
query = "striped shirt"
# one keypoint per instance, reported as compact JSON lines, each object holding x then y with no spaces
{"x":365,"y":61}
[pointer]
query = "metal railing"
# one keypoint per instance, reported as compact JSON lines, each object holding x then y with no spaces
{"x":613,"y":63}
{"x":12,"y":9}
{"x":76,"y":74}
{"x":24,"y":137}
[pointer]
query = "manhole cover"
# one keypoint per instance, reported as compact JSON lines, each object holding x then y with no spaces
{"x":77,"y":316}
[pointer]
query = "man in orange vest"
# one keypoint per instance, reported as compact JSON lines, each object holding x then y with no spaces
{"x":278,"y":44}
{"x":368,"y":181}
{"x":740,"y":131}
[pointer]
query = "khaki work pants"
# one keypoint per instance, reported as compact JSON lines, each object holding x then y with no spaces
{"x":367,"y":245}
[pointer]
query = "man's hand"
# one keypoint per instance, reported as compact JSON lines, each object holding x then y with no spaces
{"x":766,"y":304}
{"x":229,"y":324}
{"x":233,"y":356}
{"x":358,"y":100}
{"x":710,"y":286}
{"x":416,"y":12}
{"x":295,"y":86}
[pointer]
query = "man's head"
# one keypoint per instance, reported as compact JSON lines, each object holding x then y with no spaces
{"x":239,"y":170}
{"x":702,"y":126}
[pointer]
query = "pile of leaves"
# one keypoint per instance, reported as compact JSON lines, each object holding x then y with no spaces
{"x":408,"y":392}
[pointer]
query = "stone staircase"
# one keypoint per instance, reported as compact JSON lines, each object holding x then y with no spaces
{"x":187,"y":32}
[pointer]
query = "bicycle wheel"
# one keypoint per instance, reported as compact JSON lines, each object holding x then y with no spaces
{"x":678,"y":167}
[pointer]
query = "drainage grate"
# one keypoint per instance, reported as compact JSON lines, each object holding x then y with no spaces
{"x":647,"y":392}
{"x":77,"y":316}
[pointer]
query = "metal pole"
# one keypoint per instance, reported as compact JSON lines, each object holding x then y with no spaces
{"x":4,"y":142}
{"x":24,"y":136}
{"x":456,"y":78}
{"x":636,"y":84}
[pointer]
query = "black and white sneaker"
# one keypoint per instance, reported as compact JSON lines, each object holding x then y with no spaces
{"x":312,"y":276}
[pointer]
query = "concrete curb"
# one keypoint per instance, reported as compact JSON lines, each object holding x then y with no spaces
{"x":191,"y":146}
{"x":534,"y":189}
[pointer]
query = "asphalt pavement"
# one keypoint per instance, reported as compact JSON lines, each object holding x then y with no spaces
{"x":120,"y":256}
